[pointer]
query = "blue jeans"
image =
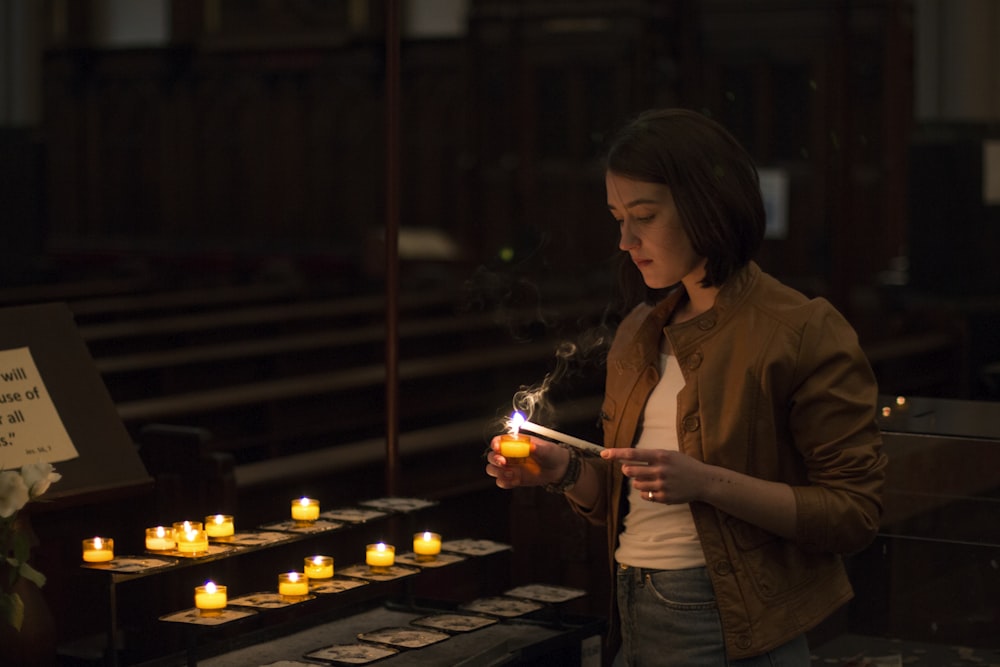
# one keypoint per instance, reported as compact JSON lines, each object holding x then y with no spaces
{"x":669,"y":618}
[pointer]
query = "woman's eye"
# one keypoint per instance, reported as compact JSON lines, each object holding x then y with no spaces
{"x":646,"y":218}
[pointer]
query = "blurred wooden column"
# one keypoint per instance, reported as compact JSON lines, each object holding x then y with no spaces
{"x":392,"y":247}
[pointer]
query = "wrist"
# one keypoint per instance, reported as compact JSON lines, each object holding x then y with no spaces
{"x":570,"y":473}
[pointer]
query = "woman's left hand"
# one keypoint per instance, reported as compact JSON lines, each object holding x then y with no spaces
{"x":661,"y":475}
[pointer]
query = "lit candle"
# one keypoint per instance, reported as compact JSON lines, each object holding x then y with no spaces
{"x":98,"y":550}
{"x":159,"y":539}
{"x":293,"y":584}
{"x":319,"y":567}
{"x":426,"y":545}
{"x":305,"y":509}
{"x":380,"y":556}
{"x":219,"y":525}
{"x":182,"y":527}
{"x":515,"y":447}
{"x":210,"y":599}
{"x":193,"y":541}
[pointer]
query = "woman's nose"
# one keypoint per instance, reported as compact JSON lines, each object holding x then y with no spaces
{"x":626,"y":239}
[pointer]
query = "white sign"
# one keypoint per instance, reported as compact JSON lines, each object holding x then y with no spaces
{"x":774,"y":190}
{"x":31,"y":430}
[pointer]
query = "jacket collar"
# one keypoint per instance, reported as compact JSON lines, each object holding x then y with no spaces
{"x":643,"y":347}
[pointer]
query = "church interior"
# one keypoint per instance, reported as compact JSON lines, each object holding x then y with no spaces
{"x":264,"y":252}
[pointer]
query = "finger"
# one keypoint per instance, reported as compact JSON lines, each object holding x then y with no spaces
{"x":625,"y":456}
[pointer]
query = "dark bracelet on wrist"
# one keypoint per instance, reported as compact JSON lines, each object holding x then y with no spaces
{"x":570,"y":476}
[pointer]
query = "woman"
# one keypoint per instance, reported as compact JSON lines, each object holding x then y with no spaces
{"x":742,"y":455}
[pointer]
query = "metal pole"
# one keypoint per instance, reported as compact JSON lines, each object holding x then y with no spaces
{"x":392,"y":247}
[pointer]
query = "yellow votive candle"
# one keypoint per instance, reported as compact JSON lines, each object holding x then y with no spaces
{"x":160,"y":539}
{"x":515,"y":447}
{"x":219,"y":525}
{"x":305,"y":509}
{"x":182,"y":527}
{"x":193,"y":541}
{"x":380,"y":555}
{"x":98,"y":550}
{"x":426,"y":545}
{"x":210,"y":598}
{"x":319,"y":567}
{"x":293,"y":584}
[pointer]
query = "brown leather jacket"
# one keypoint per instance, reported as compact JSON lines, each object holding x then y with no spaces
{"x":776,"y":386}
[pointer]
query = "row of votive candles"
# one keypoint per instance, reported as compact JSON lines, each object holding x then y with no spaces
{"x":190,"y":536}
{"x":184,"y":536}
{"x":211,"y":598}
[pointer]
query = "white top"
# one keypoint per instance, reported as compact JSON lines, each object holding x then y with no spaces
{"x":657,"y":535}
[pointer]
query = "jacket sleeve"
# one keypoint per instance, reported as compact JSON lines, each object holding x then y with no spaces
{"x":600,"y":512}
{"x":832,"y":418}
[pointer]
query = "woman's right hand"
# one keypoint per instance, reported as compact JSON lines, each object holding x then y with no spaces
{"x":545,"y":465}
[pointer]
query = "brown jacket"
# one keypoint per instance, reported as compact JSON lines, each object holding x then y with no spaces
{"x":776,"y":386}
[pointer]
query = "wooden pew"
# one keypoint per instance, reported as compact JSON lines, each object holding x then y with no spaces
{"x":96,"y":308}
{"x":225,"y":323}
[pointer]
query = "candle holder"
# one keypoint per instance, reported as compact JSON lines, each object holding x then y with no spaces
{"x":305,"y":510}
{"x":98,"y":550}
{"x":515,"y":447}
{"x":293,"y":585}
{"x":181,"y":527}
{"x":160,"y":538}
{"x":220,"y":526}
{"x":319,"y":567}
{"x":193,"y":542}
{"x":210,"y":599}
{"x":426,"y":546}
{"x":380,"y":557}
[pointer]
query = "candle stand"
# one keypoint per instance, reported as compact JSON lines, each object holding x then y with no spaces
{"x":354,"y":585}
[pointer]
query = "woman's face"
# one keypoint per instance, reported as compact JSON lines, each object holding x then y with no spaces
{"x":651,"y":232}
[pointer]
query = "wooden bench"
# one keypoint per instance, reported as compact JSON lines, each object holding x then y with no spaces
{"x":224,"y":324}
{"x":94,"y":308}
{"x":136,"y":375}
{"x":429,"y":386}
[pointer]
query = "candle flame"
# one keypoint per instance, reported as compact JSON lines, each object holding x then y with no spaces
{"x":305,"y":502}
{"x":427,"y":535}
{"x":514,"y":424}
{"x":293,"y":576}
{"x":218,"y":519}
{"x":209,"y":587}
{"x":380,"y":546}
{"x":190,"y":535}
{"x":98,"y":544}
{"x":318,"y":560}
{"x":160,"y":531}
{"x":187,"y":526}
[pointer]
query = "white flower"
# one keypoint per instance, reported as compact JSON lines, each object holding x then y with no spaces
{"x":38,"y":477}
{"x":13,"y":493}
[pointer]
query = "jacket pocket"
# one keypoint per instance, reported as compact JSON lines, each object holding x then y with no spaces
{"x":774,"y":566}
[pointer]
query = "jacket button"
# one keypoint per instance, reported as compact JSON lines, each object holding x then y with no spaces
{"x":723,"y":567}
{"x":694,"y":361}
{"x":692,"y":423}
{"x":743,"y":641}
{"x":707,"y":324}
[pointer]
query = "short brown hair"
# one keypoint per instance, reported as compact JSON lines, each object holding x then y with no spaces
{"x":713,"y":180}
